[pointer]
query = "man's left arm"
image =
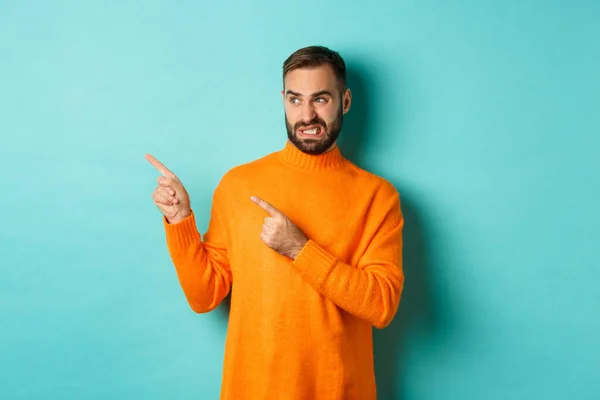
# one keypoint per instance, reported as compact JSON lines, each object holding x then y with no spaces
{"x":370,"y":290}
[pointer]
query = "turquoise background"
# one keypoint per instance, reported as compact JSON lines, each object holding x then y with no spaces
{"x":484,"y":114}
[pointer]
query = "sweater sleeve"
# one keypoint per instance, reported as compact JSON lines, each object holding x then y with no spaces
{"x":202,"y":267}
{"x":372,"y":289}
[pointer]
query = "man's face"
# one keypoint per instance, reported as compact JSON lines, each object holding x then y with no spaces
{"x":314,"y":108}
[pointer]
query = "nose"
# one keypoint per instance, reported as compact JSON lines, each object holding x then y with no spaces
{"x":308,"y":112}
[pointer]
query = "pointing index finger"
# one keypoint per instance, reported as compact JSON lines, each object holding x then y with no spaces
{"x":159,"y":166}
{"x":266,"y":206}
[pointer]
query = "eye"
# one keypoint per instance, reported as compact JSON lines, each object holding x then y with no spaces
{"x":321,"y":100}
{"x":294,"y":100}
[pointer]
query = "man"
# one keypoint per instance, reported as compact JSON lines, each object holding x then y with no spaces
{"x":309,"y":244}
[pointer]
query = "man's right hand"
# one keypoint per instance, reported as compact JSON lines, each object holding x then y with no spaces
{"x":170,"y":196}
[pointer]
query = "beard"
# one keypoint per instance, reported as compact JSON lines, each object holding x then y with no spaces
{"x":320,"y":145}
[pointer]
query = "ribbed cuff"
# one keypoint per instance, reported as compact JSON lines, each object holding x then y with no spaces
{"x":314,"y":263}
{"x":182,"y":234}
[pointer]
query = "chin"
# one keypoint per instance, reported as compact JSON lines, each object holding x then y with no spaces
{"x":311,"y":146}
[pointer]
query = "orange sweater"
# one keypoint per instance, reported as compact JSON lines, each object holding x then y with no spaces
{"x":298,"y":329}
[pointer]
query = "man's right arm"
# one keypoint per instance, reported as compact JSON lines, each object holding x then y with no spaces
{"x":202,"y":266}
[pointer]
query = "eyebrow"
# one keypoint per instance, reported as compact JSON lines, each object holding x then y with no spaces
{"x":317,"y":94}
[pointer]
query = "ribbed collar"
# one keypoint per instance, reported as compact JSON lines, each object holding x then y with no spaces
{"x":293,"y":157}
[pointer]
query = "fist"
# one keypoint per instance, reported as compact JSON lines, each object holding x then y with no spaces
{"x":279,"y":232}
{"x":170,"y":195}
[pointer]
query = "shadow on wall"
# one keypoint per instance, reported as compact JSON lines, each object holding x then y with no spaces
{"x":418,"y":310}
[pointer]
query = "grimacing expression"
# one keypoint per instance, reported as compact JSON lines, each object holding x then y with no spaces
{"x":314,"y":108}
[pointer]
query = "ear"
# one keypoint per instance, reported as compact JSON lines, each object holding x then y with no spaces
{"x":347,"y":99}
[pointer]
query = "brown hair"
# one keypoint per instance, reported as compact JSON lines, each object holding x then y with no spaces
{"x":315,"y":56}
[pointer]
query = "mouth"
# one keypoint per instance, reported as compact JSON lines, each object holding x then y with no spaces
{"x":311,"y":131}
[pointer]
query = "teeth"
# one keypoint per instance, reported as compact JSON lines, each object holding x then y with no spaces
{"x":311,"y":131}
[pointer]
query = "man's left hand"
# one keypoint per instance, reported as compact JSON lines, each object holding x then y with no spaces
{"x":279,"y":232}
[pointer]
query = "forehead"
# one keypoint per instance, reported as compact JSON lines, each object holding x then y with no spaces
{"x":310,"y":80}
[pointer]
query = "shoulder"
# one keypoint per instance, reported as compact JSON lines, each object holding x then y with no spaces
{"x":379,"y":186}
{"x":384,"y":199}
{"x":245,"y":172}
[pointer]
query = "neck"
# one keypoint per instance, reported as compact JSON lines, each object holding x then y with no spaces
{"x":333,"y":146}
